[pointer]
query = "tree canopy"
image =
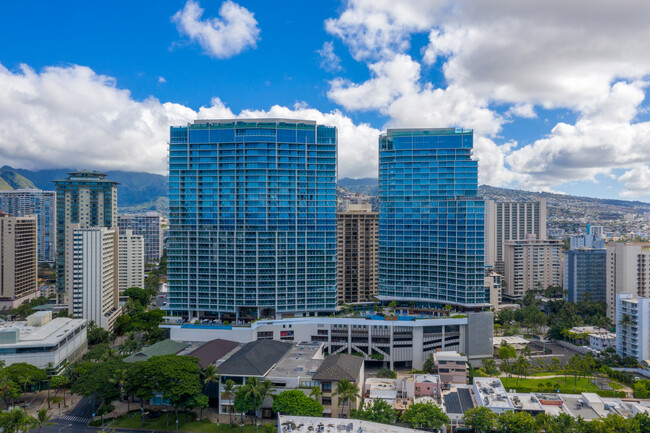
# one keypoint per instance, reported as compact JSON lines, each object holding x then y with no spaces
{"x":296,"y":403}
{"x":424,"y":415}
{"x":378,"y":411}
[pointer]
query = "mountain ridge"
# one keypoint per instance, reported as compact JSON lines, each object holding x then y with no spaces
{"x":134,"y":189}
{"x":140,"y":191}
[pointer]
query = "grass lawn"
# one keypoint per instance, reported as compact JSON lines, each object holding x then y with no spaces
{"x":616,"y":385}
{"x":546,"y":373}
{"x":564,"y":385}
{"x":186,"y":423}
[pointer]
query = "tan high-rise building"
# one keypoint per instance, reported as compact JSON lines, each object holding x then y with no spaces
{"x":531,"y":264}
{"x":93,"y":269}
{"x":18,"y":259}
{"x":511,"y":221}
{"x":131,"y":260}
{"x":357,"y":234}
{"x":628,"y":272}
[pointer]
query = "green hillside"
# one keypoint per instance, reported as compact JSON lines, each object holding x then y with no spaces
{"x":11,"y":179}
{"x":4,"y":186}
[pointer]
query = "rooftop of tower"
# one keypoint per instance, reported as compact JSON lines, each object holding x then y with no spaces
{"x":425,"y":131}
{"x":86,"y":175}
{"x":254,"y":120}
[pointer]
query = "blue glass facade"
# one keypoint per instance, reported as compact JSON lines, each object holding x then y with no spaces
{"x":431,"y":223}
{"x":585,"y":274}
{"x":252,"y":217}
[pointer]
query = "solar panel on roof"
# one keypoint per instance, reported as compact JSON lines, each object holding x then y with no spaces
{"x":452,"y":403}
{"x":465,"y":399}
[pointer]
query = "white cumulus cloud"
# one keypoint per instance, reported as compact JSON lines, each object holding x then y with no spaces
{"x":636,"y":182}
{"x":328,"y":58}
{"x":72,"y":117}
{"x":509,"y":57}
{"x":378,"y":28}
{"x":235,"y":30}
{"x":604,"y":137}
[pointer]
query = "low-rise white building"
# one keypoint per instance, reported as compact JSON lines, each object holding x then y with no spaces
{"x":490,"y":392}
{"x":407,"y":342}
{"x":602,"y":341}
{"x":308,"y":424}
{"x":41,"y":340}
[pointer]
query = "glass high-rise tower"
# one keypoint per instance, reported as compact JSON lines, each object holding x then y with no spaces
{"x":431,"y":222}
{"x":252,"y":218}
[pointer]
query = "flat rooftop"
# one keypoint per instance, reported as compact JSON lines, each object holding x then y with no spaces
{"x":302,"y":360}
{"x":305,"y":424}
{"x":385,"y":389}
{"x":526,"y":402}
{"x":491,"y":393}
{"x":576,"y":405}
{"x":513,"y":341}
{"x":48,"y":334}
{"x":424,"y":378}
{"x":449,"y":356}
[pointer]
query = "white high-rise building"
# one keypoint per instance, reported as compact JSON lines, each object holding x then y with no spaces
{"x":23,"y":202}
{"x":148,"y":226}
{"x":131,"y":252}
{"x":511,"y":221}
{"x":93,"y":269}
{"x":628,"y":271}
{"x":633,"y":326}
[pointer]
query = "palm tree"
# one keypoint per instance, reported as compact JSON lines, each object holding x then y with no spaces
{"x":521,"y":366}
{"x":228,"y":389}
{"x":210,"y":375}
{"x":316,"y":393}
{"x":119,"y":378}
{"x":50,"y":372}
{"x":25,"y":380}
{"x":253,"y":392}
{"x":19,"y":420}
{"x":43,"y":419}
{"x":265,"y":390}
{"x":348,"y":392}
{"x":110,"y":355}
{"x":545,"y":422}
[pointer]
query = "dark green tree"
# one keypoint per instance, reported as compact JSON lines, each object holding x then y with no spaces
{"x":424,"y":416}
{"x":25,"y":375}
{"x":177,"y":377}
{"x":516,"y":422}
{"x":481,"y":419}
{"x":141,"y":296}
{"x":97,"y":381}
{"x":378,"y":411}
{"x":387,"y":373}
{"x":295,"y":402}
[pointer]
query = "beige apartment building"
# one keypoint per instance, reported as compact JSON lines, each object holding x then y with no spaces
{"x":131,"y":259}
{"x":357,"y":236}
{"x":18,"y":259}
{"x":628,"y":272}
{"x":531,"y":264}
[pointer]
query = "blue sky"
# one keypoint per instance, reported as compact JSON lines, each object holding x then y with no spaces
{"x":555,"y":93}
